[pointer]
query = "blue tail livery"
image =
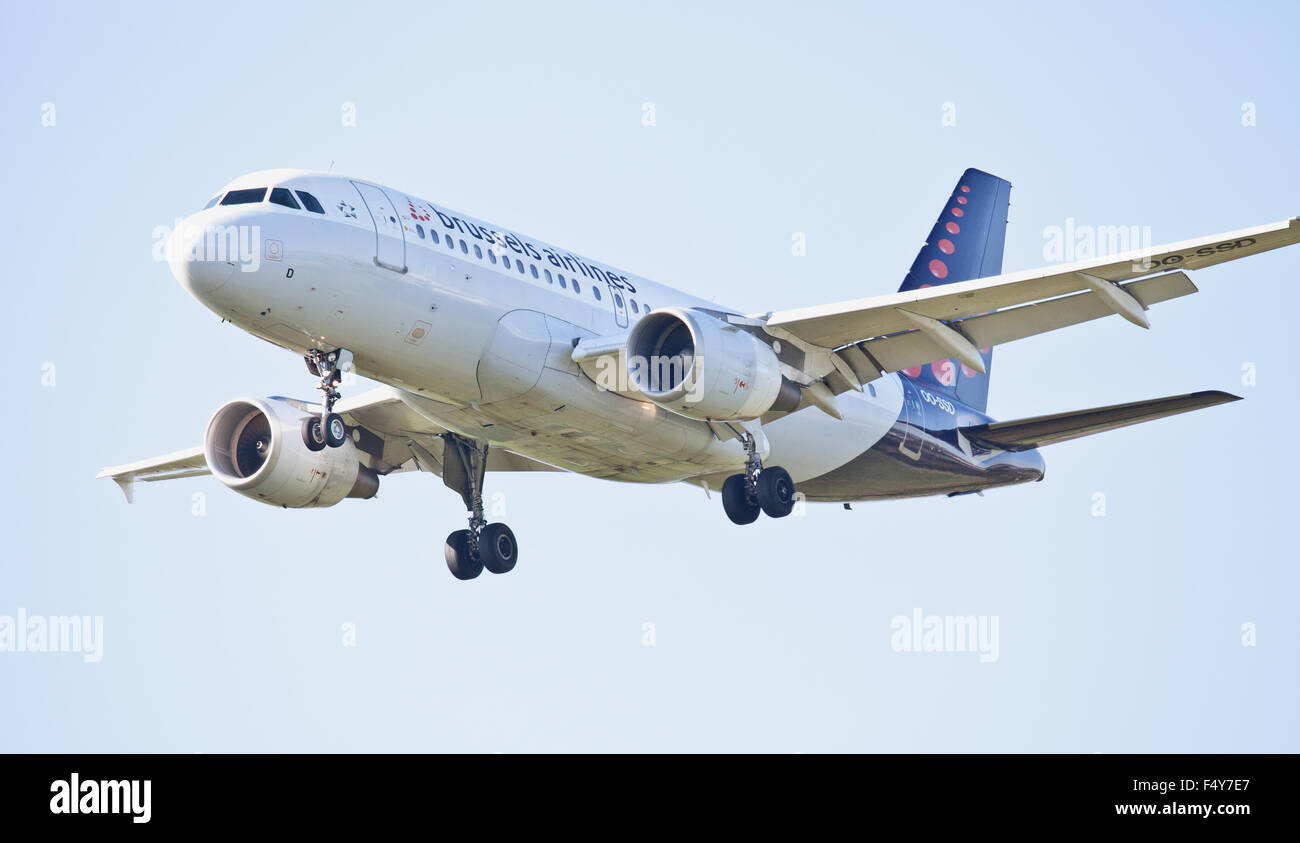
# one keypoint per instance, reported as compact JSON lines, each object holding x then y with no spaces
{"x":965,"y":243}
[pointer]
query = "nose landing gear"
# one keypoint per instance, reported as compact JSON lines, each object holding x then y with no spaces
{"x":769,"y":490}
{"x":327,"y":429}
{"x":483,"y":545}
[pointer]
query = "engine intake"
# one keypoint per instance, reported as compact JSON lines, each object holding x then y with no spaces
{"x":255,"y":447}
{"x":699,"y":366}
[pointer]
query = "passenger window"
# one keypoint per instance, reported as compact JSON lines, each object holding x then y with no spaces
{"x":451,"y":244}
{"x":245,"y":197}
{"x":576,"y":288}
{"x":533,"y":267}
{"x":520,"y":265}
{"x":463,"y":247}
{"x":563,"y":286}
{"x":214,"y":200}
{"x":281,"y":196}
{"x":492,"y":256}
{"x":478,"y":253}
{"x":309,"y":202}
{"x":419,"y":229}
{"x":549,"y":279}
{"x":634,"y":307}
{"x":618,"y":300}
{"x":595,"y":291}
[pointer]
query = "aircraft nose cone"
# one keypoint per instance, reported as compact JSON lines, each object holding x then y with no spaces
{"x":193,"y":261}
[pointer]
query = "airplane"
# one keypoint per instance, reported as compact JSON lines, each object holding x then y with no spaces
{"x":497,"y":351}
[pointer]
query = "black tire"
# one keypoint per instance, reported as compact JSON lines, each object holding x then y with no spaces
{"x":498,"y":549}
{"x":462,"y":565}
{"x":736,"y":501}
{"x":313,"y":434}
{"x":336,"y":432}
{"x":775,"y":491}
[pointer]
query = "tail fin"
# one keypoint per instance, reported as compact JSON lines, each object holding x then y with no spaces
{"x":965,"y":243}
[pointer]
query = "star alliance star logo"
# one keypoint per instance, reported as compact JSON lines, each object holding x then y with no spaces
{"x":347,"y":210}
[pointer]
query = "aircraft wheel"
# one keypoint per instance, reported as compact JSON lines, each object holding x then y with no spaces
{"x":336,"y":432}
{"x":498,"y":549}
{"x":462,"y":565}
{"x":313,"y":433}
{"x":775,"y":491}
{"x":736,"y":502}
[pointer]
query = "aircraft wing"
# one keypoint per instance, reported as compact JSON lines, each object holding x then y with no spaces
{"x":900,"y":330}
{"x":389,"y":414}
{"x":393,"y":437}
{"x":187,"y":463}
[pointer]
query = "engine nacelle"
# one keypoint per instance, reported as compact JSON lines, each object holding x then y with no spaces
{"x":699,"y":366}
{"x":256,"y":447}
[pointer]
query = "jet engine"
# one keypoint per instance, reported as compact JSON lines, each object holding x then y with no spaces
{"x":256,"y":447}
{"x":699,"y":366}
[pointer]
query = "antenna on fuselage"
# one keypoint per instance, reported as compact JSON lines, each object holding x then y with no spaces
{"x":331,"y":169}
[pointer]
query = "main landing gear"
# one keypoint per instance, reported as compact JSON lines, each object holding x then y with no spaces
{"x":327,"y":429}
{"x":483,"y":545}
{"x":769,"y":490}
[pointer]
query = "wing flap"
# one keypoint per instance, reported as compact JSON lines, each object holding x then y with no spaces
{"x":1026,"y":434}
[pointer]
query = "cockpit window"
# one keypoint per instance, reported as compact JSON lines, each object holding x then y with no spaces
{"x":281,"y":196}
{"x":245,"y":197}
{"x":214,"y":200}
{"x":309,"y":202}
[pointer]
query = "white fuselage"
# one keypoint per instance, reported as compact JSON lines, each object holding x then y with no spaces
{"x":473,"y":322}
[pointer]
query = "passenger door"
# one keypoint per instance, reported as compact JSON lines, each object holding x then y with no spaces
{"x":390,"y":241}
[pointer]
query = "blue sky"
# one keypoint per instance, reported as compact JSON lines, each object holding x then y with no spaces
{"x":223,"y":631}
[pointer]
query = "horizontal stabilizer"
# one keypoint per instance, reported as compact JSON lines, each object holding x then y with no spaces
{"x":1026,"y":434}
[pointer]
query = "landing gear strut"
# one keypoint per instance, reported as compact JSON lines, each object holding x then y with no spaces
{"x":327,"y":429}
{"x":483,"y":545}
{"x":769,"y":490}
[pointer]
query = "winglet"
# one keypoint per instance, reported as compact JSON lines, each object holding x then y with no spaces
{"x":127,"y":485}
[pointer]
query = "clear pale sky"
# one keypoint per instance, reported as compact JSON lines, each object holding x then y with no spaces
{"x":223,"y":631}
